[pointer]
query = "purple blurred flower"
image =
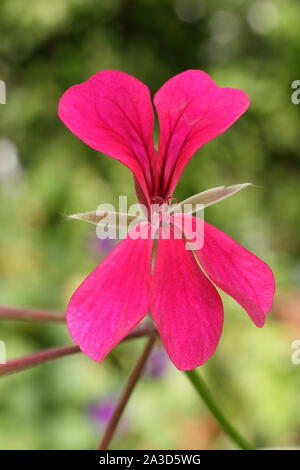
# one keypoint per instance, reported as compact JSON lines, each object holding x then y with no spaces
{"x":157,"y":364}
{"x":101,"y":411}
{"x":100,"y":248}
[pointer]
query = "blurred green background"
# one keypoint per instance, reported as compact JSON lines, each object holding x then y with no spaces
{"x":46,"y":173}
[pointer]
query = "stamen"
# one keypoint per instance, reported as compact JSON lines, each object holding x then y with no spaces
{"x":172,"y":199}
{"x":157,"y":200}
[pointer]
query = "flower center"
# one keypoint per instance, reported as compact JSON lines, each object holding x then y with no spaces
{"x":160,"y":210}
{"x":158,"y":200}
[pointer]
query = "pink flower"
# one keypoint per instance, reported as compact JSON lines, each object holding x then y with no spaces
{"x":112,"y":113}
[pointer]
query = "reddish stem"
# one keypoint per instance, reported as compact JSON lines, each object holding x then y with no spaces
{"x":126,"y":394}
{"x":34,"y":359}
{"x":29,"y":314}
{"x":31,"y":360}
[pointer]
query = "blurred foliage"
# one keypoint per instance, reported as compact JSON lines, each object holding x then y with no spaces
{"x":46,"y":173}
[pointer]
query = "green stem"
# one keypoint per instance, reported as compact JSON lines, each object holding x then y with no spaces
{"x":204,"y":393}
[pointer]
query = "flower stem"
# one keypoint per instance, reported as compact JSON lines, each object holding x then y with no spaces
{"x":126,"y":394}
{"x":204,"y":393}
{"x":29,"y":314}
{"x":31,"y":360}
{"x":25,"y":362}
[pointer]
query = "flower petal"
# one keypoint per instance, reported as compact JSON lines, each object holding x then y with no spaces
{"x":112,"y":113}
{"x":192,"y":110}
{"x":185,"y":306}
{"x":237,"y":272}
{"x":113,"y":298}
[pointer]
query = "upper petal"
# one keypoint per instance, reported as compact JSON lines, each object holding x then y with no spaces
{"x":192,"y":110}
{"x":113,"y":298}
{"x":185,"y":306}
{"x":238,"y":272}
{"x":112,"y":112}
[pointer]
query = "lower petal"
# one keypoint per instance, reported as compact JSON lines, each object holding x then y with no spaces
{"x":238,"y":272}
{"x":114,"y":298}
{"x":185,"y":306}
